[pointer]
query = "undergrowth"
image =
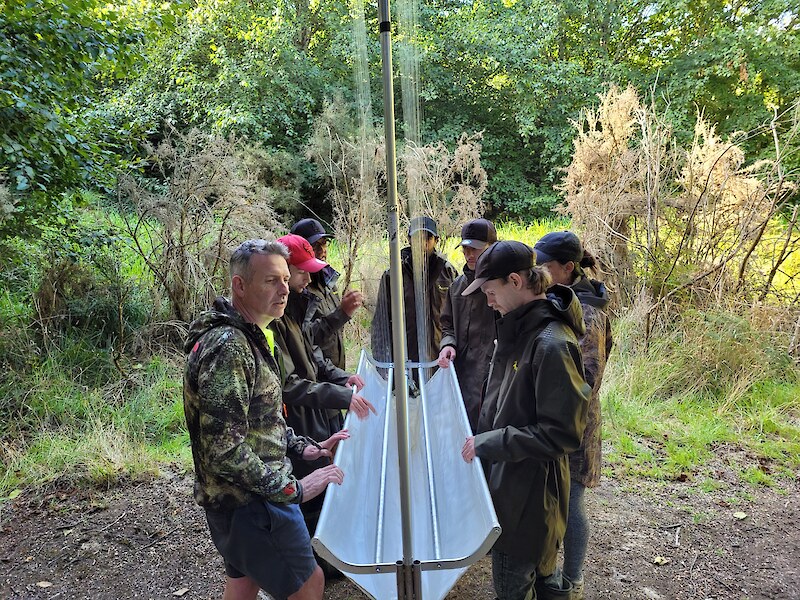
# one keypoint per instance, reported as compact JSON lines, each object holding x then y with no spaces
{"x":711,"y":397}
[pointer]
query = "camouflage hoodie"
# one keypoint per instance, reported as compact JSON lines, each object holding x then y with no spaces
{"x":586,"y":462}
{"x":233,"y":406}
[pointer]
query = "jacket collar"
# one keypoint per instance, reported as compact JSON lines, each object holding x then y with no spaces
{"x":591,"y":292}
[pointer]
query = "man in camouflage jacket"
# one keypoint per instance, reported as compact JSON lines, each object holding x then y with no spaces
{"x":240,"y":441}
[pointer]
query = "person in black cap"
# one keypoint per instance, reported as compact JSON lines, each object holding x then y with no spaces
{"x":468,"y":322}
{"x":563,"y":255}
{"x":437,"y":274}
{"x":532,"y":417}
{"x":326,"y":314}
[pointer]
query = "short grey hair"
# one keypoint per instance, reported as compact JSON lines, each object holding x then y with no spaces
{"x":240,"y":259}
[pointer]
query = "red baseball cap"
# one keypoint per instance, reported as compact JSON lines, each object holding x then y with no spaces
{"x":301,"y":254}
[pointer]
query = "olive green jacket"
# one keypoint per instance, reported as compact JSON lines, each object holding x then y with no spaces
{"x":532,"y":418}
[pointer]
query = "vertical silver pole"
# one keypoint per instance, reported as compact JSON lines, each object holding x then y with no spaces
{"x":396,"y":278}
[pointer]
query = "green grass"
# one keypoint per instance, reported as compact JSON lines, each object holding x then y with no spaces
{"x":69,"y":426}
{"x":667,"y":416}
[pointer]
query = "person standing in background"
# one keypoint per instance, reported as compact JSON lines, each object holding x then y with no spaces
{"x":438,"y":274}
{"x":468,"y":322}
{"x":326,"y":313}
{"x":564,"y":257}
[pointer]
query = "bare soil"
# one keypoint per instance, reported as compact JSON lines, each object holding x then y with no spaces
{"x":649,"y":541}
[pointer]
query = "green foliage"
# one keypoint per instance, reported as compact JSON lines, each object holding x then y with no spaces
{"x":57,"y":58}
{"x":252,"y":69}
{"x":78,"y":423}
{"x":538,"y":205}
{"x":292,"y":182}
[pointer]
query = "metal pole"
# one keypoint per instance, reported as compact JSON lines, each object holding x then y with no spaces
{"x":396,"y":278}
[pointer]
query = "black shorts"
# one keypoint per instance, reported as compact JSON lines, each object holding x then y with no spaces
{"x":267,"y":542}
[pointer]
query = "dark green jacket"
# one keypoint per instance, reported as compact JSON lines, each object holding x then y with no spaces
{"x":440,"y":274}
{"x":232,"y":401}
{"x":468,"y":325}
{"x":533,"y":416}
{"x":324,"y":318}
{"x":314,"y":390}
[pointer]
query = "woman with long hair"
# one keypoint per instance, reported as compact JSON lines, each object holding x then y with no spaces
{"x":563,"y":255}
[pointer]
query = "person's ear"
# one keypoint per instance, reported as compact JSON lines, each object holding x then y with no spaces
{"x":237,"y":285}
{"x":515,"y":279}
{"x":569,"y":266}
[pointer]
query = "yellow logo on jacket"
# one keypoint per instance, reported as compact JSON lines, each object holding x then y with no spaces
{"x":514,"y":366}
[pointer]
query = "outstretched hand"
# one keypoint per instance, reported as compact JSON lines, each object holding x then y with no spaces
{"x":315,"y":482}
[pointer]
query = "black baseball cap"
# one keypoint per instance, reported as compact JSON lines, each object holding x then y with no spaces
{"x":311,"y":229}
{"x":563,"y":246}
{"x":478,"y":233}
{"x":500,"y":260}
{"x":422,"y":224}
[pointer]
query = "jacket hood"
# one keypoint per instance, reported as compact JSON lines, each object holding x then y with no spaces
{"x":565,"y":305}
{"x":326,"y":277}
{"x":220,"y":313}
{"x":591,"y":292}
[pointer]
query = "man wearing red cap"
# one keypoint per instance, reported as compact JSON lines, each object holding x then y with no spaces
{"x":315,"y":392}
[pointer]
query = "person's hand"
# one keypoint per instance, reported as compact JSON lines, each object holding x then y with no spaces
{"x":328,"y":447}
{"x":351,"y":301}
{"x":447,"y":354}
{"x":316,"y":482}
{"x":361,"y":406}
{"x":468,"y":450}
{"x":356,"y":380}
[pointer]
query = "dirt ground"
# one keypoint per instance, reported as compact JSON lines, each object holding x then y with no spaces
{"x":150,"y":541}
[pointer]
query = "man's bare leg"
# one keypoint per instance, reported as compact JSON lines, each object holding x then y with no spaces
{"x":312,"y":589}
{"x":241,"y":588}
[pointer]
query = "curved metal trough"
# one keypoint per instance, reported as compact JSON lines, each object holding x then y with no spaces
{"x":452,"y":521}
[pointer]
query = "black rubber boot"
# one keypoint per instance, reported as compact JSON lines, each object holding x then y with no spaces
{"x":544,"y":591}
